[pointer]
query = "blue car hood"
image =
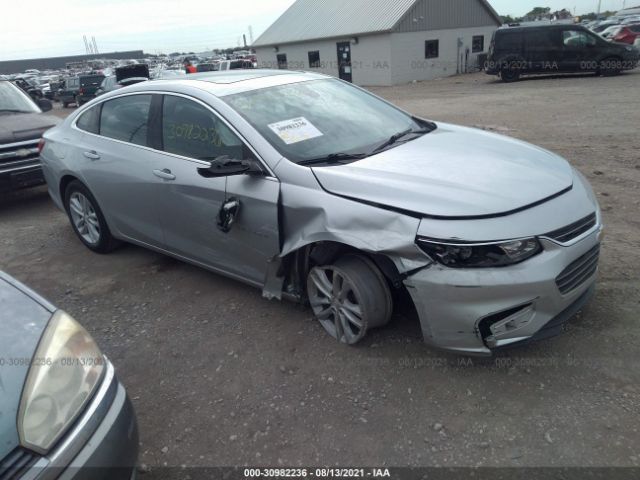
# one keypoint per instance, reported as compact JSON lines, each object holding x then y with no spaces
{"x":23,"y":318}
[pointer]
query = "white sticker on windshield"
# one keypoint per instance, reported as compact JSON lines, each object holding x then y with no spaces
{"x":295,"y":130}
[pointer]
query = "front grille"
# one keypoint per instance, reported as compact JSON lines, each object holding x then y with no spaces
{"x":16,"y":463}
{"x":579,"y":271}
{"x":18,"y":154}
{"x":568,"y":233}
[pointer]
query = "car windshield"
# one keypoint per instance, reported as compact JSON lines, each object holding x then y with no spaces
{"x":14,"y":100}
{"x":321,"y":118}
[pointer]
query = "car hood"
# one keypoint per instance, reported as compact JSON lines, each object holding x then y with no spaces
{"x":453,"y":172}
{"x":18,"y":127}
{"x":22,"y":322}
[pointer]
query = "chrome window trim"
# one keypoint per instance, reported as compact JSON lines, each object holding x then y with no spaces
{"x":270,"y":173}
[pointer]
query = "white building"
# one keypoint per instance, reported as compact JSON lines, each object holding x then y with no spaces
{"x":380,"y":42}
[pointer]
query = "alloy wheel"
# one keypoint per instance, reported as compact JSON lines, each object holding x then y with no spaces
{"x":85,"y":218}
{"x":335,"y":303}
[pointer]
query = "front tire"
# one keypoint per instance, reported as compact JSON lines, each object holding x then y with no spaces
{"x":349,"y":297}
{"x":87,"y":219}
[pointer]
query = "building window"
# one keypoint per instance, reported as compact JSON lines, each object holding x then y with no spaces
{"x":314,"y":59}
{"x":432,"y":49}
{"x":478,"y":43}
{"x":282,"y":61}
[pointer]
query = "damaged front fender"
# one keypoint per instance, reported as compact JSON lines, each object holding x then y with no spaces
{"x":309,"y":215}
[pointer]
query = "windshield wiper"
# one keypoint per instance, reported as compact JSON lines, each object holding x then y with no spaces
{"x":334,"y":158}
{"x":398,"y":136}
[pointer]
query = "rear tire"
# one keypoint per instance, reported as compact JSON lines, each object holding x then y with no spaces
{"x":65,"y":105}
{"x":87,"y":219}
{"x":510,"y":75}
{"x":349,"y":297}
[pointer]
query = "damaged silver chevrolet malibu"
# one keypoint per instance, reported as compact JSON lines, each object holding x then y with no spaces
{"x":313,"y":189}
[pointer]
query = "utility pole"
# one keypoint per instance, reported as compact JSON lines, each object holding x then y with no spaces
{"x":599,"y":7}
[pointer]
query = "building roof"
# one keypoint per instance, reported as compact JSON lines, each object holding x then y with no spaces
{"x":317,"y":19}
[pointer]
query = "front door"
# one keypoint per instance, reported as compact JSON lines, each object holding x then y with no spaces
{"x":282,"y":61}
{"x":579,"y":50}
{"x":190,"y":203}
{"x":344,"y":61}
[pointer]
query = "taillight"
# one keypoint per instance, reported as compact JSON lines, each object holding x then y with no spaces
{"x":40,"y":145}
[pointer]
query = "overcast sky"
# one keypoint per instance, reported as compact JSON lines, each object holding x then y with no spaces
{"x":40,"y":28}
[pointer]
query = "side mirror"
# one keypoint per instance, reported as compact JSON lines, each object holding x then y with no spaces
{"x":226,"y":167}
{"x":44,"y":104}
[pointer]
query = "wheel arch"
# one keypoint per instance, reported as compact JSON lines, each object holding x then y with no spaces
{"x":296,"y":265}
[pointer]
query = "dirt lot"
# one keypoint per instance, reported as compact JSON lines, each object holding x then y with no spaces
{"x":220,"y":376}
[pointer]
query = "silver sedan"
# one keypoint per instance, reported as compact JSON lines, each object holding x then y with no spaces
{"x":313,"y":189}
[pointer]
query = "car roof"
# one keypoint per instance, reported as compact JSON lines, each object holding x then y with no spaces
{"x":529,"y":28}
{"x":232,"y":82}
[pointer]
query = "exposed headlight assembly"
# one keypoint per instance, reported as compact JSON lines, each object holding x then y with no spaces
{"x":65,"y":371}
{"x":480,"y":255}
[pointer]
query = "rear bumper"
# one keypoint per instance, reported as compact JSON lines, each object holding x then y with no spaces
{"x":477,"y":312}
{"x":103,"y":444}
{"x":22,"y":176}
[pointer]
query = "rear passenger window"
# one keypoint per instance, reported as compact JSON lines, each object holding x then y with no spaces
{"x":89,"y":121}
{"x":543,"y":39}
{"x":126,"y":119}
{"x":193,"y":131}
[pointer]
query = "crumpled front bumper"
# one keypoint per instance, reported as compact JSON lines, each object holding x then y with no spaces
{"x":452,"y":303}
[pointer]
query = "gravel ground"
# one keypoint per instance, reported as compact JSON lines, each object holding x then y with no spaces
{"x":220,"y":376}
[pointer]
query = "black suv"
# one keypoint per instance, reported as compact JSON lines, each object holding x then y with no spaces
{"x":22,"y":124}
{"x":549,"y":49}
{"x":79,"y":89}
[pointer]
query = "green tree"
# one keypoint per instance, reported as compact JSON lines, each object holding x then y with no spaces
{"x":538,"y":11}
{"x":507,"y":19}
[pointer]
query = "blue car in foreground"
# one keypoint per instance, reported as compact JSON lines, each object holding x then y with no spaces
{"x":63,"y":412}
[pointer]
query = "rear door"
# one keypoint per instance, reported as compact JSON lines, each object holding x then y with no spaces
{"x":117,"y":165}
{"x":543,"y":49}
{"x":190,"y":135}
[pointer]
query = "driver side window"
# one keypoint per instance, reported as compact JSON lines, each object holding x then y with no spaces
{"x":191,"y":130}
{"x":577,"y":39}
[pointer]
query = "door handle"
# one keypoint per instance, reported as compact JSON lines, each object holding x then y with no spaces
{"x":165,"y":174}
{"x":92,"y":155}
